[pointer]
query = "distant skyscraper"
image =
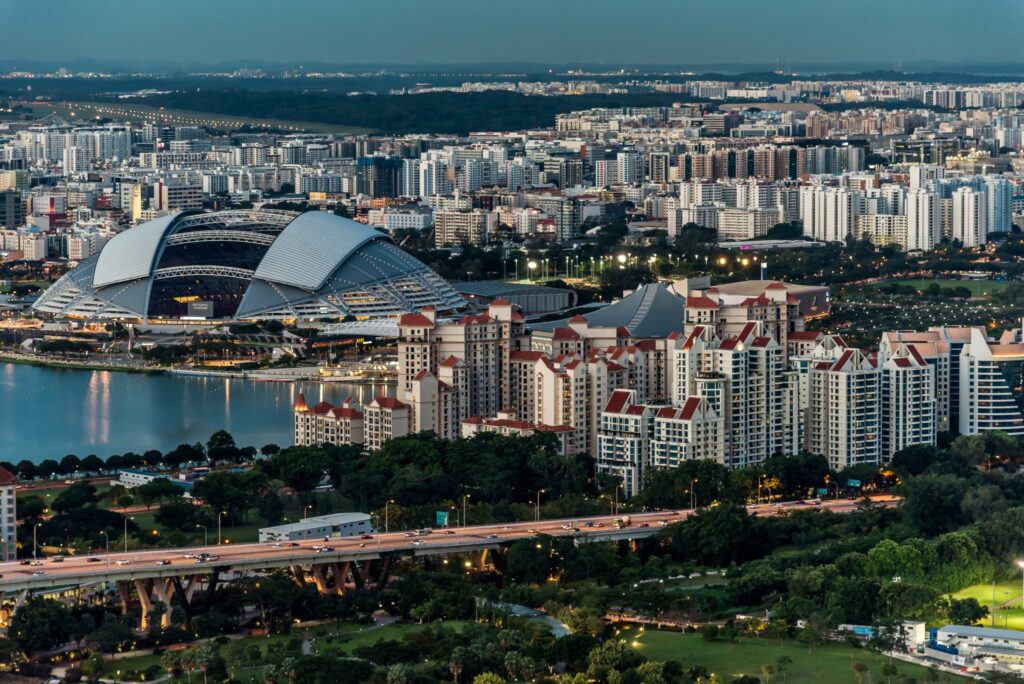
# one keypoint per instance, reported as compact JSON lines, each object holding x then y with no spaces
{"x":379,"y":176}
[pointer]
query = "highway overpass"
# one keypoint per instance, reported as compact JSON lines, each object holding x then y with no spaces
{"x":161,"y":574}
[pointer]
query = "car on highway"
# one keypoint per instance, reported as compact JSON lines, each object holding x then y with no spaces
{"x":189,"y":556}
{"x":325,"y":549}
{"x":36,"y":562}
{"x":589,"y":523}
{"x":124,"y":561}
{"x":163,"y":561}
{"x":366,"y":536}
{"x":644,"y":525}
{"x":492,"y":536}
{"x":417,"y":542}
{"x":57,"y":559}
{"x":92,"y":559}
{"x":38,"y":573}
{"x":24,"y":561}
{"x":663,"y":522}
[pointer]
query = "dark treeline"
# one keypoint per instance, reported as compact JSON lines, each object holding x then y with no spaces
{"x":423,"y":113}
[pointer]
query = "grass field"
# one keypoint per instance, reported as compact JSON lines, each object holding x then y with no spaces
{"x":978,"y":288}
{"x":830,"y":663}
{"x":1011,"y":617}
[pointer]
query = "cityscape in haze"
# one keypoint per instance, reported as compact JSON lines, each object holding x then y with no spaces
{"x":403,"y":342}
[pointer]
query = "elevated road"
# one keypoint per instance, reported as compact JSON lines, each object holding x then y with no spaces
{"x":165,"y":564}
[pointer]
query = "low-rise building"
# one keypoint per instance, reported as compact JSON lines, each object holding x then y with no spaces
{"x":319,"y":527}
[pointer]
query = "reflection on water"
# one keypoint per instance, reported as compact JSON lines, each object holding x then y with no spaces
{"x":51,"y":412}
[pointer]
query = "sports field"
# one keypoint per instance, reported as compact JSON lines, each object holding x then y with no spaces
{"x":727,"y":659}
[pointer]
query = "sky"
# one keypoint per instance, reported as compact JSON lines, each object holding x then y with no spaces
{"x":193,"y":33}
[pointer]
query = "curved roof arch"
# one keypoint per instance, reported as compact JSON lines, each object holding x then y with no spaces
{"x":311,"y":248}
{"x":131,"y":255}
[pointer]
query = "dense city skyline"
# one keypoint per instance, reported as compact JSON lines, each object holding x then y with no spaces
{"x":191,"y":34}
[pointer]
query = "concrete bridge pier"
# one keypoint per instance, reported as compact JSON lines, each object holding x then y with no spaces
{"x":143,"y":589}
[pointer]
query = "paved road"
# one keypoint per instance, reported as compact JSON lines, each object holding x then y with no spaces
{"x":83,"y":569}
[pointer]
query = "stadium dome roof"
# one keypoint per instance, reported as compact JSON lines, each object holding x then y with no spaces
{"x":248,"y":264}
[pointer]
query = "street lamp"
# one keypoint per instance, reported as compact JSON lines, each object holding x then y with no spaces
{"x":126,"y":533}
{"x":530,"y":265}
{"x":34,"y":545}
{"x":206,"y":535}
{"x":465,"y":497}
{"x":1020,"y":564}
{"x":305,"y":510}
{"x":106,"y":536}
{"x":219,"y":513}
{"x":693,"y":494}
{"x":386,"y":504}
{"x":537,"y":515}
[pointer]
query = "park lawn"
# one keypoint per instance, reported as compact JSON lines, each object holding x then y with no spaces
{"x":978,"y":288}
{"x":828,"y":663}
{"x":254,"y":673}
{"x":347,"y":644}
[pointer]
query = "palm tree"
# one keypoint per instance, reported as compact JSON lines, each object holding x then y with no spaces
{"x":456,"y":662}
{"x":767,"y":671}
{"x":782,"y":666}
{"x":860,"y":669}
{"x":172,"y":662}
{"x":203,"y":656}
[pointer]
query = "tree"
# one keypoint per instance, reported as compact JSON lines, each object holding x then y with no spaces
{"x":177,"y":515}
{"x":93,"y":665}
{"x":768,"y":670}
{"x":457,"y":662}
{"x":113,"y":633}
{"x":76,"y":496}
{"x":861,"y":671}
{"x":172,"y":662}
{"x":931,"y":503}
{"x":92,"y":464}
{"x":966,"y":611}
{"x":399,"y":673}
{"x":611,"y":655}
{"x":40,"y":624}
{"x":812,"y":633}
{"x":158,"y":489}
{"x":488,"y":678}
{"x":889,"y":670}
{"x":221,"y":447}
{"x":782,"y":666}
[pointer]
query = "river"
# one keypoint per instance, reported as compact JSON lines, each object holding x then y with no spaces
{"x":52,"y":412}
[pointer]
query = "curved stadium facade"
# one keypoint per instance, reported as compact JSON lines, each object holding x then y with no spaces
{"x":248,"y":265}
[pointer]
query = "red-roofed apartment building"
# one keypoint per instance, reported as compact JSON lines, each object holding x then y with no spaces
{"x":325,"y":423}
{"x":634,"y":438}
{"x":482,"y":343}
{"x":505,"y":423}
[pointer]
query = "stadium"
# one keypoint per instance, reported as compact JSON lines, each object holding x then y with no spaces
{"x":248,"y":265}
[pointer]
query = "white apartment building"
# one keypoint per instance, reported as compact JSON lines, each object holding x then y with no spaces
{"x":844,"y":421}
{"x":8,"y":515}
{"x":829,"y":214}
{"x":908,"y":401}
{"x":970,"y":215}
{"x":924,"y":220}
